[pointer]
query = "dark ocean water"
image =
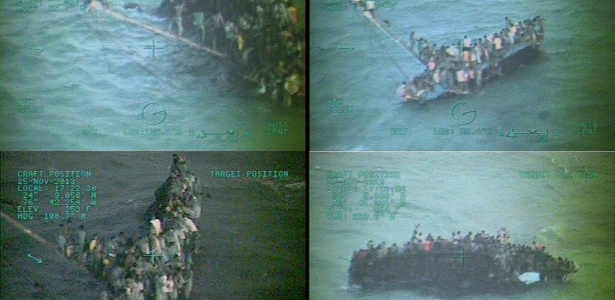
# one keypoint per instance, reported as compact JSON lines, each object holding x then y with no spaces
{"x":87,"y":78}
{"x":450,"y":191}
{"x":354,"y":66}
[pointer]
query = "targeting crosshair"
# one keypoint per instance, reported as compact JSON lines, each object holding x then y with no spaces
{"x":153,"y":113}
{"x":463,"y":113}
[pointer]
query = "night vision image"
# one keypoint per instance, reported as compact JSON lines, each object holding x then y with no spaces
{"x":153,"y":225}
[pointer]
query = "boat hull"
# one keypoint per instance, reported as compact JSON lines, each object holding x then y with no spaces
{"x":437,"y":273}
{"x":517,"y":56}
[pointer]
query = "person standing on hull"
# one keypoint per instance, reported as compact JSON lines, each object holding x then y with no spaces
{"x":370,"y":6}
{"x":479,"y":50}
{"x":230,"y":34}
{"x":186,"y":289}
{"x":462,"y":79}
{"x":508,"y":22}
{"x":412,"y":41}
{"x":479,"y":76}
{"x":540,"y":28}
{"x":178,"y":10}
{"x":171,"y":287}
{"x":92,"y":251}
{"x":467,"y":42}
{"x":403,"y":92}
{"x":497,"y":45}
{"x":178,"y":169}
{"x":81,"y":234}
{"x":161,"y":288}
{"x":487,"y":48}
{"x":216,"y":23}
{"x":443,"y":77}
{"x":436,"y":77}
{"x":199,"y":22}
{"x":61,"y":239}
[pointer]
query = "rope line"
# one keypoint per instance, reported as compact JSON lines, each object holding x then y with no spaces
{"x":393,"y":61}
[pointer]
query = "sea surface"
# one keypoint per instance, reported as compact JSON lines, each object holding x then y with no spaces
{"x":89,"y":82}
{"x":450,"y":191}
{"x":356,"y":70}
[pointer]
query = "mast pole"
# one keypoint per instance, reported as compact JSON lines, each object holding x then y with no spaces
{"x":379,"y":24}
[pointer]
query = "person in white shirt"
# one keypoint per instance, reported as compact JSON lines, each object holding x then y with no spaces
{"x":497,"y":42}
{"x":467,"y":42}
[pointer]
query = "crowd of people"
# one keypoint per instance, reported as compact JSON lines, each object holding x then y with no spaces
{"x":459,"y":67}
{"x":156,"y":265}
{"x":265,"y":35}
{"x":481,"y":256}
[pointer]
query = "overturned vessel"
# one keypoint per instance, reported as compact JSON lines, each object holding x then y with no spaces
{"x":460,"y":266}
